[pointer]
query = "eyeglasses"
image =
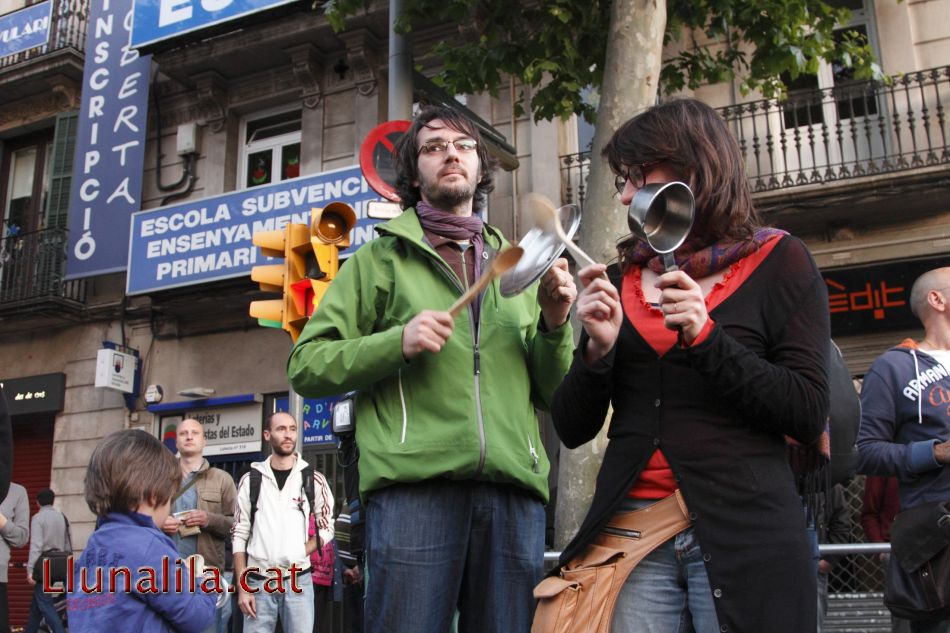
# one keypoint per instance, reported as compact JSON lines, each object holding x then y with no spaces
{"x":636,"y":174}
{"x":437,"y":147}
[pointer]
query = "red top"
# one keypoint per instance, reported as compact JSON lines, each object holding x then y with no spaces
{"x":656,"y":481}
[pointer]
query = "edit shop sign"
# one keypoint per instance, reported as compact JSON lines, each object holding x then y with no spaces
{"x":866,"y":299}
{"x":157,"y":20}
{"x":228,"y":430}
{"x":317,"y":427}
{"x":25,"y":29}
{"x":206,"y":240}
{"x":110,"y":143}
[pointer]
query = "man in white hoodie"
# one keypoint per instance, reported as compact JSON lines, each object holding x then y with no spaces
{"x":271,"y":544}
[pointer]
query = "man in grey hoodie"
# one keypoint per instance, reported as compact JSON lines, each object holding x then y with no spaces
{"x":49,"y":529}
{"x":14,"y":532}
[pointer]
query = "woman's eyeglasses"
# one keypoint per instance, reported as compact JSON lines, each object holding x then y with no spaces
{"x":437,"y":147}
{"x":636,"y":174}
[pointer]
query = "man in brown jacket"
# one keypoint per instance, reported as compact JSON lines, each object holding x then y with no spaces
{"x":203,"y":509}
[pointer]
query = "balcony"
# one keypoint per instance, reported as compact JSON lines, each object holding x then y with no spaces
{"x":67,"y":30}
{"x":864,"y":134}
{"x":39,"y":82}
{"x":32,"y":266}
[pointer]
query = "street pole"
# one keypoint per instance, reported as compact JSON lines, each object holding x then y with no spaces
{"x":400,"y":68}
{"x":295,"y":406}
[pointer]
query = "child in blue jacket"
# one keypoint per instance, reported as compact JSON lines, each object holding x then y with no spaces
{"x":129,"y":577}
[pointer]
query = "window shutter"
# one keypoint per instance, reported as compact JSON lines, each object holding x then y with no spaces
{"x":61,"y":170}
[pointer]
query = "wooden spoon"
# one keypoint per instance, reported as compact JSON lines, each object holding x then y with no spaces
{"x":545,"y":217}
{"x":504,"y":261}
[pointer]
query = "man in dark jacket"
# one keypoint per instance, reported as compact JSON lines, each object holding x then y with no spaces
{"x":905,"y":421}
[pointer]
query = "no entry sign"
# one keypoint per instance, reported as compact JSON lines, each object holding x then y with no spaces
{"x":378,"y":158}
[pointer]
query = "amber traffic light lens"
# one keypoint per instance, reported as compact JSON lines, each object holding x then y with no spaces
{"x":332,"y":228}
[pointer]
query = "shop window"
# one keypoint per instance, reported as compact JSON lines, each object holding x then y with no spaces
{"x":271,"y":150}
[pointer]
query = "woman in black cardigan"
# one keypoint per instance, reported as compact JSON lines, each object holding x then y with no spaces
{"x":707,"y":415}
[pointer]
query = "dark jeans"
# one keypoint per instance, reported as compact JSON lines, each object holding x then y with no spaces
{"x":439,"y":546}
{"x":4,"y":609}
{"x":353,"y":608}
{"x":42,"y":608}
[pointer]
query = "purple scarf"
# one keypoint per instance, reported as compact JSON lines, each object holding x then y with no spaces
{"x":700,"y":260}
{"x":454,"y":227}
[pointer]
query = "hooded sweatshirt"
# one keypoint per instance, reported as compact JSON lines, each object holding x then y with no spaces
{"x":905,"y":411}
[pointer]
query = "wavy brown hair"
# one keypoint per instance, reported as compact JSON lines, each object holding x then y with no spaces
{"x":129,"y":468}
{"x":694,"y":139}
{"x":407,"y":156}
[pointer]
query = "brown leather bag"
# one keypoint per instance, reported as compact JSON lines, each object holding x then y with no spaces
{"x":582,"y":597}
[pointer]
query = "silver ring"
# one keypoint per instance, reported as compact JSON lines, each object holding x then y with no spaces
{"x":676,"y":307}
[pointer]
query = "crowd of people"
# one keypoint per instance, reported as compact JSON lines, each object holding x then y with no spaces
{"x":708,"y":371}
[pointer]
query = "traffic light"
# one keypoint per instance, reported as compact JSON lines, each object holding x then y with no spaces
{"x":329,"y":234}
{"x":292,"y":243}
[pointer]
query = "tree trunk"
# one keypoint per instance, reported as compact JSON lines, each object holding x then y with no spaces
{"x":631,"y":78}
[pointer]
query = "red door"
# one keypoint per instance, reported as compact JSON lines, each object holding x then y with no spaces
{"x":32,"y":464}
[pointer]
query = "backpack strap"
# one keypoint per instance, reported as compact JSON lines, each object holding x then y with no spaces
{"x":307,"y":483}
{"x":69,"y":536}
{"x":255,"y":492}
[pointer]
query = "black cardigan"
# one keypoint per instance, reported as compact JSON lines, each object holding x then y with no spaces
{"x":719,"y":410}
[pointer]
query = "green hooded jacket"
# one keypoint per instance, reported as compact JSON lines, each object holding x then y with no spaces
{"x":464,"y":413}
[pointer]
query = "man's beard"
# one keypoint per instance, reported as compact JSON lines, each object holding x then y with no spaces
{"x":280,"y":450}
{"x":444,"y":197}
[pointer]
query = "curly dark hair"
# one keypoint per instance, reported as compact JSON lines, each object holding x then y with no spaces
{"x":407,"y":156}
{"x":695,"y":140}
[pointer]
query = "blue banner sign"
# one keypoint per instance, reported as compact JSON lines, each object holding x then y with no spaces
{"x":317,"y":428}
{"x":156,"y":20}
{"x":25,"y":29}
{"x":110,"y":143}
{"x":198,"y":241}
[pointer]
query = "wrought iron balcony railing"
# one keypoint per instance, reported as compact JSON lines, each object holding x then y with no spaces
{"x":67,"y":30}
{"x":32,"y":266}
{"x":824,"y":135}
{"x":852,"y":130}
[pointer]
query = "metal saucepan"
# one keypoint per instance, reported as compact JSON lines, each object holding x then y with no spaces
{"x":662,"y":215}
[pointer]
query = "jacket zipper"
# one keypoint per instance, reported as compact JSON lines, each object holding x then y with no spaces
{"x":534,"y":456}
{"x":402,"y":402}
{"x":477,"y":370}
{"x":476,"y":336}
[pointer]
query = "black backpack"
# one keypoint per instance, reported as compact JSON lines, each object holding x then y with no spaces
{"x":844,"y":418}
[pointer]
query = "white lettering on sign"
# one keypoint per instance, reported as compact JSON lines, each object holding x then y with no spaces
{"x":212,"y":262}
{"x":174,"y":11}
{"x":300,"y":196}
{"x":15,"y":32}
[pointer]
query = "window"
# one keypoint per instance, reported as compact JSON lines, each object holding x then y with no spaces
{"x":271,"y":151}
{"x":24,"y":185}
{"x":852,"y":98}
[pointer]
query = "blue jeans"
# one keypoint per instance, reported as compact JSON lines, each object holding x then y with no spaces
{"x":221,"y":613}
{"x":669,"y":591}
{"x":294,"y":609}
{"x":42,"y":608}
{"x":438,"y":546}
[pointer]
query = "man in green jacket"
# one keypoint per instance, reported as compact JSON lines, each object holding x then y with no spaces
{"x":452,"y":471}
